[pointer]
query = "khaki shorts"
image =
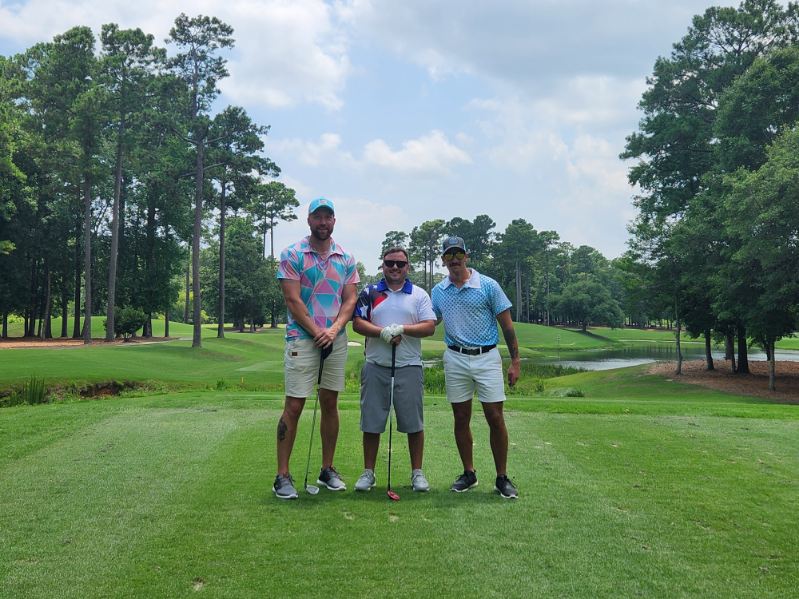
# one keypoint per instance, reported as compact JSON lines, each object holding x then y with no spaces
{"x":376,"y":396}
{"x":465,"y":374}
{"x":301,"y":366}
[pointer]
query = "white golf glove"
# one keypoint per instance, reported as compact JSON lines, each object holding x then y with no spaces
{"x":390,"y":331}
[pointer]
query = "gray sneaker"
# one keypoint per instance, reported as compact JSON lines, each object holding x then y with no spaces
{"x":284,"y":487}
{"x":419,"y":482}
{"x":366,"y":481}
{"x":331,"y":479}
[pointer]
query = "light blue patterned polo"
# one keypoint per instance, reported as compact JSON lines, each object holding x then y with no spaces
{"x":470,"y":313}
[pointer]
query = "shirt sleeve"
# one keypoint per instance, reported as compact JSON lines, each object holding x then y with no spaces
{"x":288,"y":268}
{"x":424,"y":307}
{"x":352,"y":276}
{"x":499,"y":300}
{"x":436,"y":302}
{"x":363,"y":307}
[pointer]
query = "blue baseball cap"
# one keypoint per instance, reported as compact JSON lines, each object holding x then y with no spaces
{"x":321,"y":203}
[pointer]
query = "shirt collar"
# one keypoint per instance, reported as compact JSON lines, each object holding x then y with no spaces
{"x":472,"y":281}
{"x":407,"y":287}
{"x":306,"y":247}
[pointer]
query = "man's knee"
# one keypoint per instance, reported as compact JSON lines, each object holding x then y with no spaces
{"x":494,"y":416}
{"x":292,"y":409}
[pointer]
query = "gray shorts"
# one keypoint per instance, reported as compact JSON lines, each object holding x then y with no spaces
{"x":408,"y":398}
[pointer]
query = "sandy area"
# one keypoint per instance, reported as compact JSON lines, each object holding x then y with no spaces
{"x":721,"y":379}
{"x":34,"y":342}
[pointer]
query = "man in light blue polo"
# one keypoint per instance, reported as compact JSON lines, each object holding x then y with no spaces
{"x":471,"y":305}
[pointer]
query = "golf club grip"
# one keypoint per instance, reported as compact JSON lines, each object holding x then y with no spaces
{"x":393,"y":358}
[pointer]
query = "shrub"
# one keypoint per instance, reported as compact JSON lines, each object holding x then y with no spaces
{"x":127,"y":321}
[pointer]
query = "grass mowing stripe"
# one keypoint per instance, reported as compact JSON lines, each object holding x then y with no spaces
{"x":677,"y":473}
{"x":181,"y":502}
{"x":95,"y":494}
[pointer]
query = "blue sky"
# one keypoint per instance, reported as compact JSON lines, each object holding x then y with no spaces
{"x":408,"y":111}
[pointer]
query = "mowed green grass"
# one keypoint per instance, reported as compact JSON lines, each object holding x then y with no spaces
{"x":168,"y":495}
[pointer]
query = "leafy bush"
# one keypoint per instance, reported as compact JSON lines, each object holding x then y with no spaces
{"x":127,"y":321}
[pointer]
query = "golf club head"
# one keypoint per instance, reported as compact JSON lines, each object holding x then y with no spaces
{"x":392,"y":495}
{"x":312,"y":489}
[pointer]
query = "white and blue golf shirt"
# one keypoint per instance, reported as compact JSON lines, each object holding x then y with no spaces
{"x":381,"y":306}
{"x":470,"y":313}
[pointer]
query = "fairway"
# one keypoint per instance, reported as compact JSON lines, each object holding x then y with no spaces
{"x":169,"y":495}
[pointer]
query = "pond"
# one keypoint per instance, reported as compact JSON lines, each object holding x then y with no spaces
{"x":641,"y":353}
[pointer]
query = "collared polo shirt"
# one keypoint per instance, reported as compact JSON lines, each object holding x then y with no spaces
{"x":470,"y":313}
{"x":321,"y":282}
{"x":381,"y":306}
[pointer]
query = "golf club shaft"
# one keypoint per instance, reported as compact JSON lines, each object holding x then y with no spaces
{"x":323,"y":354}
{"x":390,"y":409}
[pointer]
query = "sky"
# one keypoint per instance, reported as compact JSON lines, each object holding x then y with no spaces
{"x":412,"y":110}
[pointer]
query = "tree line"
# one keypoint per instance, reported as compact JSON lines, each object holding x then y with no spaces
{"x":716,"y":238}
{"x":112,"y":163}
{"x":120,"y":187}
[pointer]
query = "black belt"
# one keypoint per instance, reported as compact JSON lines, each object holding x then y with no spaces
{"x":472,"y":351}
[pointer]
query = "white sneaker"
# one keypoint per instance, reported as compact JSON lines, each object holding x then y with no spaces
{"x":366,"y":481}
{"x":419,"y":482}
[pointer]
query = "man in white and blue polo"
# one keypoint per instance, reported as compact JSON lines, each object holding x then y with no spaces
{"x":394,"y":312}
{"x":471,"y":305}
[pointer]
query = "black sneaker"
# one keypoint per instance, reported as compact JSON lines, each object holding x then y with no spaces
{"x":505,"y":488}
{"x":465,"y":481}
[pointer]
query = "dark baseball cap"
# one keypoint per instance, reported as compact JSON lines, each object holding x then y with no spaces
{"x":453,"y":242}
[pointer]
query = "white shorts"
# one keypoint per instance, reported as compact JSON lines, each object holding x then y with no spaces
{"x":301,"y":366}
{"x":465,"y":374}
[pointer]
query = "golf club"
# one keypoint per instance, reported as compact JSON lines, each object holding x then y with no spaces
{"x":391,"y":494}
{"x":325,"y":352}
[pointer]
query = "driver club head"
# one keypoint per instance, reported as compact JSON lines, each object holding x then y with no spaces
{"x":312,"y":489}
{"x":392,"y":495}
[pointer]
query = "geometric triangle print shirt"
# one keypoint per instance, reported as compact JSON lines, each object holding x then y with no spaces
{"x":321,"y":282}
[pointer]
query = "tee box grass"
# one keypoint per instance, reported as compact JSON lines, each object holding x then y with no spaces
{"x":642,"y":487}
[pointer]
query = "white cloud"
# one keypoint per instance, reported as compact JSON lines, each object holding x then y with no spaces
{"x":287,"y":52}
{"x":527,"y":43}
{"x":432,"y":153}
{"x":324,"y":151}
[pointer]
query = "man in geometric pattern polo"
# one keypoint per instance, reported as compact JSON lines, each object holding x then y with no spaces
{"x":319,"y":282}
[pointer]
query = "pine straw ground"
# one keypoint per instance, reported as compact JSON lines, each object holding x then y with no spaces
{"x":722,"y":379}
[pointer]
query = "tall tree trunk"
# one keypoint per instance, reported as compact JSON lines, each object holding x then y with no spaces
{"x":112,"y":258}
{"x":47,"y":333}
{"x":4,"y":334}
{"x":64,"y":305}
{"x":518,"y":293}
{"x":743,"y":358}
{"x":677,"y":335}
{"x":273,"y":307}
{"x":147,"y":330}
{"x":772,"y":367}
{"x":195,"y":242}
{"x":188,"y":292}
{"x":166,"y":323}
{"x":220,"y":330}
{"x":87,"y":260}
{"x":76,"y":299}
{"x":708,"y":351}
{"x":30,"y":329}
